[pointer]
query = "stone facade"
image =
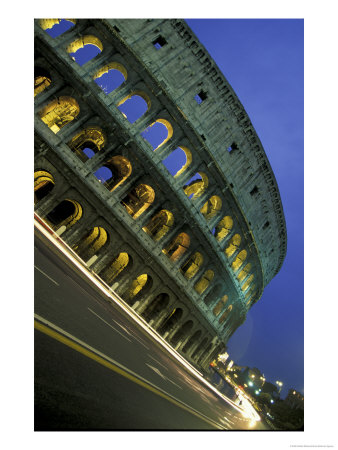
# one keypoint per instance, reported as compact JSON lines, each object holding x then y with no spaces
{"x":191,"y":257}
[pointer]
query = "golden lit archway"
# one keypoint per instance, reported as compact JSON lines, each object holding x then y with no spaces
{"x":192,"y":266}
{"x":239,"y":260}
{"x":177,"y":247}
{"x":235,"y":242}
{"x":204,"y":282}
{"x":138,"y":200}
{"x":196,"y":187}
{"x":59,"y":112}
{"x":225,"y":315}
{"x":223,"y":228}
{"x":211,"y":207}
{"x":159,"y":224}
{"x":220,"y":305}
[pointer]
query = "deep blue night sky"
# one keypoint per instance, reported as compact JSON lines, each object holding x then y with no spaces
{"x":263,"y":60}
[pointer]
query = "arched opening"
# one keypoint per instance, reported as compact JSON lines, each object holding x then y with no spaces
{"x":87,"y":143}
{"x":158,"y":133}
{"x":138,"y":200}
{"x":91,"y":243}
{"x":199,"y":348}
{"x":178,"y":161}
{"x":159,"y":225}
{"x":244,"y":273}
{"x":138,"y":287}
{"x":43,"y":184}
{"x":192,"y":266}
{"x":239,"y":260}
{"x":191,"y":341}
{"x":170,"y":321}
{"x":211,"y":207}
{"x":116,"y":267}
{"x":235,"y":242}
{"x":59,"y":112}
{"x":42,"y":79}
{"x":155,"y":307}
{"x":134,"y":106}
{"x":220,"y":305}
{"x":247,"y":283}
{"x":204,"y":282}
{"x":56,"y":27}
{"x":223,"y":228}
{"x":182,"y":332}
{"x":84,"y":49}
{"x":177,"y":247}
{"x":225,"y":315}
{"x":114,"y":172}
{"x":249,"y":296}
{"x":110,"y":77}
{"x":196,"y":185}
{"x":66,"y":213}
{"x":212,"y":294}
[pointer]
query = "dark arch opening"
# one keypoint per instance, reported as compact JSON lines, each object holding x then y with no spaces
{"x":199,"y":348}
{"x":155,"y":307}
{"x":191,"y":341}
{"x":182,"y":332}
{"x":61,"y":212}
{"x":170,"y":321}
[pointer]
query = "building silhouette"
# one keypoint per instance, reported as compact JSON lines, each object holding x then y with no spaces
{"x":189,"y":248}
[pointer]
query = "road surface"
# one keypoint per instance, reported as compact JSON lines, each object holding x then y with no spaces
{"x":96,"y":368}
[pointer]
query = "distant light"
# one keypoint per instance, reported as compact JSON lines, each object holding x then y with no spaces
{"x":250,"y":383}
{"x":271,"y":401}
{"x":257,"y":392}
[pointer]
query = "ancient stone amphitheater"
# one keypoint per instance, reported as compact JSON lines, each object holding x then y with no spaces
{"x":188,"y":230}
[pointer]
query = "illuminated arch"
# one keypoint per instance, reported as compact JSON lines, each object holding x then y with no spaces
{"x":247,"y":283}
{"x":59,"y":112}
{"x":138,"y":200}
{"x":225,"y":315}
{"x":110,"y":76}
{"x":156,"y":132}
{"x":138,"y":285}
{"x":43,"y":184}
{"x":197,"y":187}
{"x":192,"y":266}
{"x":244,"y":273}
{"x":130,"y":101}
{"x":117,"y":266}
{"x":66,"y":213}
{"x":120,"y":169}
{"x":223,"y":228}
{"x":159,"y":224}
{"x":177,"y":247}
{"x":91,"y":138}
{"x":220,"y":305}
{"x":240,"y":258}
{"x":204,"y":282}
{"x":45,"y":24}
{"x":235,"y":242}
{"x":91,"y":243}
{"x":178,"y":161}
{"x":83,"y":41}
{"x":211,"y":207}
{"x":42,"y":79}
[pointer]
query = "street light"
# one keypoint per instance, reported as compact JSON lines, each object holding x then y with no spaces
{"x":280,"y":384}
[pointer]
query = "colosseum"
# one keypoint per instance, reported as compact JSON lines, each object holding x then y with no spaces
{"x":187,"y":230}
